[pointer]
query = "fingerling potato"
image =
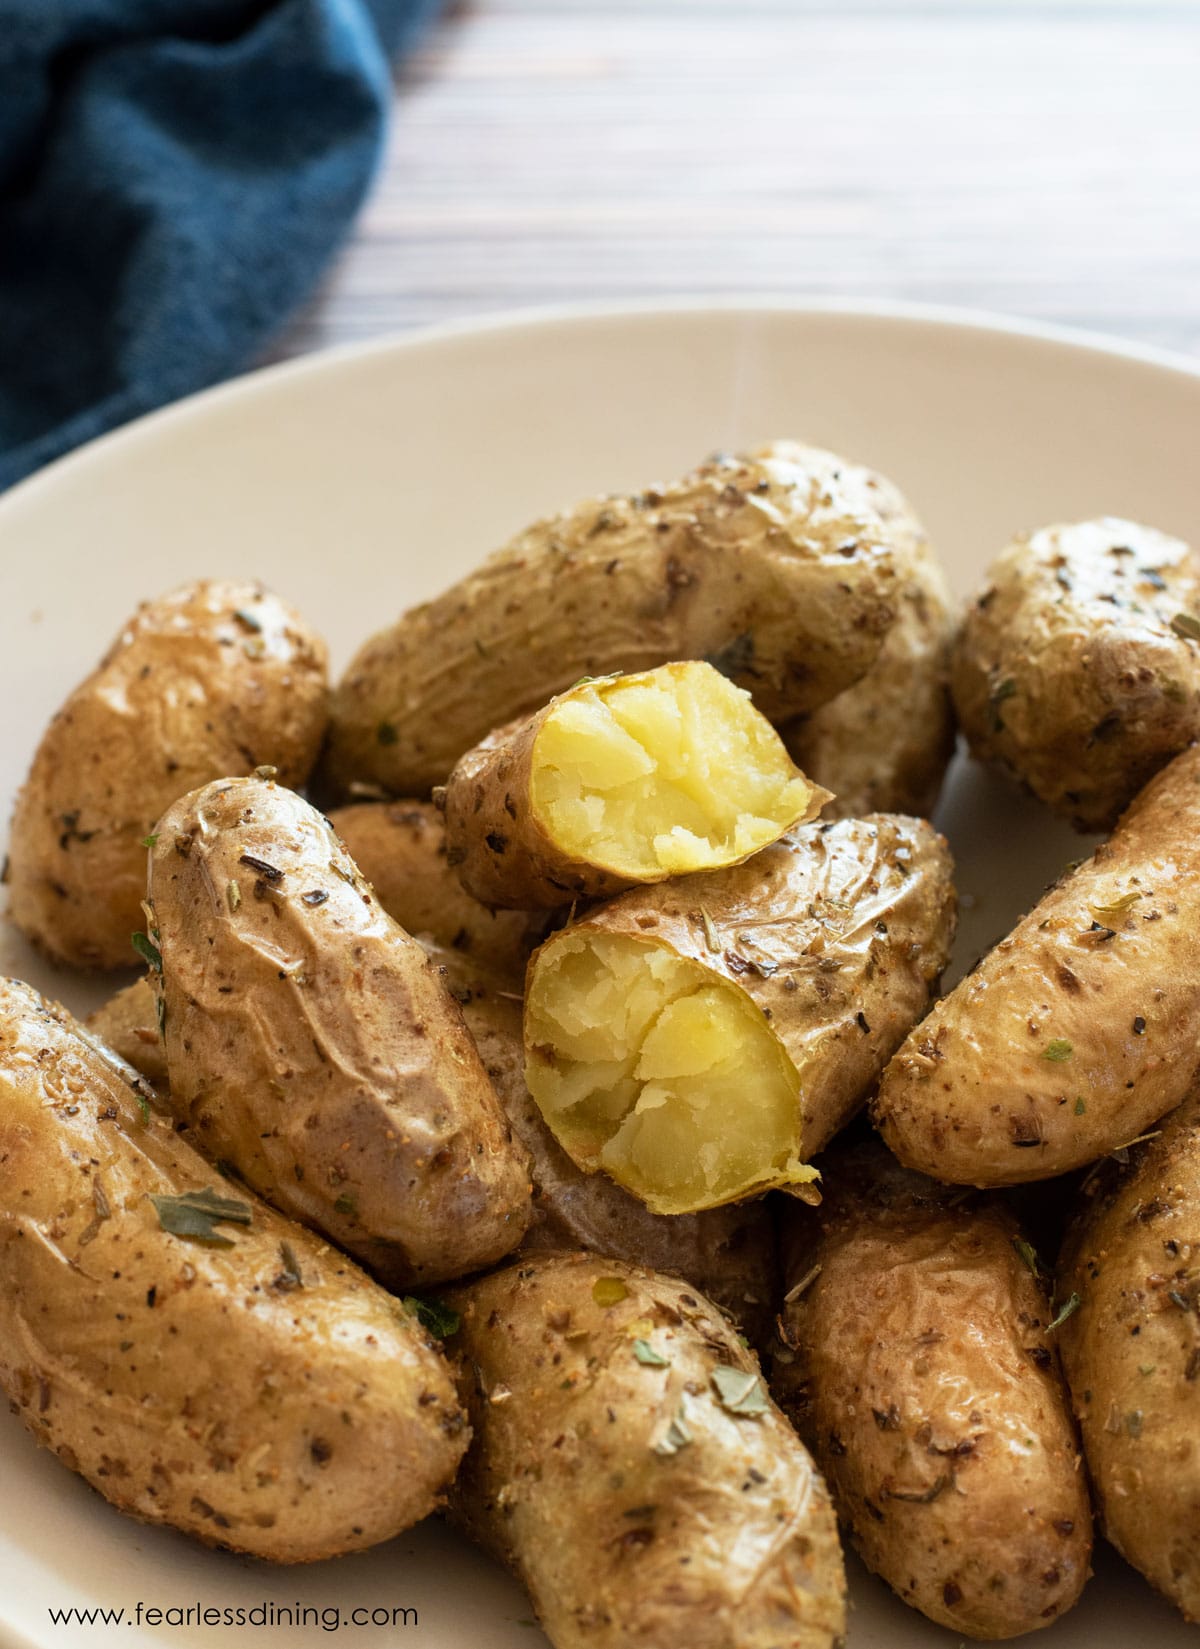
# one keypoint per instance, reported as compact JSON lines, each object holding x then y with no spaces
{"x":728,"y":1253}
{"x":400,"y":847}
{"x":212,"y":679}
{"x":699,"y":1040}
{"x":1078,"y":665}
{"x":630,"y":1468}
{"x":201,"y":1361}
{"x":883,"y":745}
{"x":776,"y":567}
{"x":1132,"y":1353}
{"x":310,"y":1044}
{"x":1078,"y":1031}
{"x":626,"y":780}
{"x":926,"y":1384}
{"x":128,"y":1023}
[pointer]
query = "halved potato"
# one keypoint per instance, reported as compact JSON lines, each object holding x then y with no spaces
{"x":621,"y":781}
{"x":698,"y":1040}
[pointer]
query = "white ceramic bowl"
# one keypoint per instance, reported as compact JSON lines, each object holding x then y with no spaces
{"x":360,"y":481}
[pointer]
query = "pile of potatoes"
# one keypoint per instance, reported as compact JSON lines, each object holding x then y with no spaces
{"x":563,"y":1131}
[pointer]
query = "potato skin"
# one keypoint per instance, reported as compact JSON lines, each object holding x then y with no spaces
{"x":192,"y":1385}
{"x":1132,"y":1353}
{"x":883,"y":745}
{"x":128,"y":1023}
{"x":838,"y":932}
{"x":727,"y":1543}
{"x":728,"y":1253}
{"x":310,"y":1043}
{"x":923,"y":1370}
{"x":400,"y":847}
{"x":776,"y":567}
{"x":1069,"y":671}
{"x":1078,"y":1031}
{"x":214,"y":678}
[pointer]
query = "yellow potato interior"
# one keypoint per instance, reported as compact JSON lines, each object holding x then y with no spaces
{"x":649,"y":1066}
{"x":652,"y":775}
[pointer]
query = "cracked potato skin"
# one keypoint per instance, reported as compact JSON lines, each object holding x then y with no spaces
{"x":1132,"y":1353}
{"x":777,"y":567}
{"x":728,"y":1253}
{"x":927,"y":1387}
{"x":1072,"y":670}
{"x":193,"y":1385}
{"x":310,"y":1043}
{"x":883,"y":745}
{"x":573,"y":1483}
{"x":215,"y":678}
{"x":1079,"y":1030}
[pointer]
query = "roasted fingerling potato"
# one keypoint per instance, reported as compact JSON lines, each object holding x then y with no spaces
{"x":883,"y":745}
{"x":777,"y":567}
{"x":629,"y":1466}
{"x":215,"y":678}
{"x":1078,"y":665}
{"x":1131,"y":1351}
{"x":311,"y":1045}
{"x":128,"y":1023}
{"x":199,"y":1359}
{"x":619,"y":782}
{"x":400,"y":847}
{"x":699,"y":1040}
{"x":921,"y":1371}
{"x":1081,"y":1028}
{"x":728,"y":1253}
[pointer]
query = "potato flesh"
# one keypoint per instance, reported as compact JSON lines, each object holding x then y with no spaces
{"x":649,"y":1066}
{"x":663,"y":773}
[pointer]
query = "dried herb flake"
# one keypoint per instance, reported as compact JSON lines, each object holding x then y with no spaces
{"x":645,"y":1353}
{"x":1068,"y":1308}
{"x":608,"y":1291}
{"x":194,"y":1215}
{"x":1057,"y":1049}
{"x":433,"y":1315}
{"x":147,"y":950}
{"x":740,"y":1392}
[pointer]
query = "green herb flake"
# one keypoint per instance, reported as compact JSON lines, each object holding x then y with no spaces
{"x":1057,"y":1049}
{"x":290,"y":1276}
{"x":677,"y":1436}
{"x":1133,"y":1420}
{"x":1002,"y":691}
{"x":645,"y":1353}
{"x":1080,"y":1106}
{"x":346,"y":1204}
{"x":1027,"y":1254}
{"x":433,"y":1315}
{"x":1147,"y":1368}
{"x":609,"y":1291}
{"x":711,"y":937}
{"x":1184,"y":624}
{"x":1108,"y":914}
{"x":1067,"y":1309}
{"x":143,"y":1105}
{"x":147,"y":950}
{"x":194,"y":1215}
{"x":740,"y":1392}
{"x":149,"y":841}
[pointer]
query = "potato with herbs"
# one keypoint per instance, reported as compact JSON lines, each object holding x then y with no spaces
{"x":728,"y":1253}
{"x":1132,"y":1353}
{"x":400,"y":847}
{"x":697,"y":1041}
{"x":1078,"y":666}
{"x":630,"y":1468}
{"x":201,"y":1361}
{"x":776,"y":567}
{"x":1079,"y":1030}
{"x":622,"y":781}
{"x":212,"y":679}
{"x":926,"y":1384}
{"x":883,"y":745}
{"x":311,"y":1044}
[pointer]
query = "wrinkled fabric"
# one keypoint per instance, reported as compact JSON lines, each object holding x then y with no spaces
{"x":174,"y":175}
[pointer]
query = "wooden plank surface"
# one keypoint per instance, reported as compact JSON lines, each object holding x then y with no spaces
{"x":1041,"y":159}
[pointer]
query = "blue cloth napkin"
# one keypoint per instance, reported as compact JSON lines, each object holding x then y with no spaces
{"x":174,"y":174}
